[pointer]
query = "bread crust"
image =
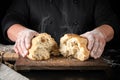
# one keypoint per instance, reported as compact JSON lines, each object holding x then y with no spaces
{"x":75,"y":46}
{"x":43,"y":45}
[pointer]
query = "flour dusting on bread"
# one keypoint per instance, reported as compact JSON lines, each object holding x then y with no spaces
{"x":42,"y":47}
{"x":75,"y":46}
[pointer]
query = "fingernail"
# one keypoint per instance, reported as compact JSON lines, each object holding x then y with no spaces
{"x":22,"y":55}
{"x":95,"y":57}
{"x":25,"y":53}
{"x":27,"y":46}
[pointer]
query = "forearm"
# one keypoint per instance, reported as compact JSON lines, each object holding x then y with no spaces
{"x":13,"y":31}
{"x":107,"y":31}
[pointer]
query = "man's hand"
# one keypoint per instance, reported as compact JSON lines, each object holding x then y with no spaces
{"x":96,"y":42}
{"x":23,"y":41}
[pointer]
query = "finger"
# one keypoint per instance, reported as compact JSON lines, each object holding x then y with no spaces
{"x":24,"y":50}
{"x":90,"y":38}
{"x":90,"y":42}
{"x":36,"y":34}
{"x":95,"y":48}
{"x":19,"y":47}
{"x":101,"y":48}
{"x":15,"y":48}
{"x":28,"y":41}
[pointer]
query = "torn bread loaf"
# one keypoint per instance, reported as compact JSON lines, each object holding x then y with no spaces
{"x":42,"y":47}
{"x":75,"y":46}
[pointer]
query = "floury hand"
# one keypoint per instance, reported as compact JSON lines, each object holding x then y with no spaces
{"x":96,"y":42}
{"x":23,"y":42}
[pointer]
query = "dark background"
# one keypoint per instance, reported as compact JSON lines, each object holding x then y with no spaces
{"x":4,"y":5}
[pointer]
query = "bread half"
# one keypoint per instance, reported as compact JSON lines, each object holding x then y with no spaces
{"x":75,"y":46}
{"x":42,"y":47}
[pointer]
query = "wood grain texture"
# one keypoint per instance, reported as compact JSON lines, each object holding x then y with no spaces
{"x":60,"y":63}
{"x":54,"y":63}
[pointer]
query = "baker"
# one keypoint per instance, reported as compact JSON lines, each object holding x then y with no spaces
{"x":92,"y":19}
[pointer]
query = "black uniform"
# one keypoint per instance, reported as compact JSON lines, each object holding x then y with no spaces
{"x":4,"y":5}
{"x":58,"y":17}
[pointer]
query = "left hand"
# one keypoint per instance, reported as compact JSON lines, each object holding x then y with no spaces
{"x":96,"y":42}
{"x":23,"y":41}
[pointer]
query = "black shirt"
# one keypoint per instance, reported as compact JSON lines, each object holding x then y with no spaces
{"x":4,"y":5}
{"x":58,"y":17}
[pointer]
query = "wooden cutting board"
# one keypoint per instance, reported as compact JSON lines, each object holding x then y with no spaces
{"x":54,"y":63}
{"x":60,"y":63}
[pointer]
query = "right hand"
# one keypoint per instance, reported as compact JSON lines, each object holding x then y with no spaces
{"x":97,"y":42}
{"x":23,"y":42}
